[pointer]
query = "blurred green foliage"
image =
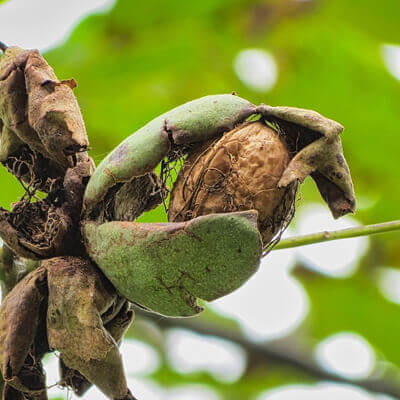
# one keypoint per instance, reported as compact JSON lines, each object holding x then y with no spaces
{"x":144,"y":58}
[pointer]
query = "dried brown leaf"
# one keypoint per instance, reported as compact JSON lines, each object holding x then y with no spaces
{"x":78,"y":295}
{"x":39,"y":114}
{"x":22,"y":333}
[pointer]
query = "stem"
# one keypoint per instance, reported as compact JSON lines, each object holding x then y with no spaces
{"x":326,"y":236}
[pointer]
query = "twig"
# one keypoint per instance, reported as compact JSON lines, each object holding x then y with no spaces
{"x":326,"y":236}
{"x":288,"y":351}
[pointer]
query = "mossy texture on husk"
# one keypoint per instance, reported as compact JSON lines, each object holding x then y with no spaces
{"x":167,"y":267}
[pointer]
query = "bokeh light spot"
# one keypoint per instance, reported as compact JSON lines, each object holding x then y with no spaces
{"x":271,"y":304}
{"x":325,"y":391}
{"x":389,"y":283}
{"x":42,"y":24}
{"x":139,"y":357}
{"x":346,"y":354}
{"x":189,"y":352}
{"x":337,"y":258}
{"x":256,"y":68}
{"x":391,"y":57}
{"x":191,"y":392}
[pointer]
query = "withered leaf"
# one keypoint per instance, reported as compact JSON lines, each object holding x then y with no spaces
{"x":315,"y":143}
{"x":117,"y":327}
{"x":38,"y":112}
{"x":22,"y":333}
{"x":78,"y":295}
